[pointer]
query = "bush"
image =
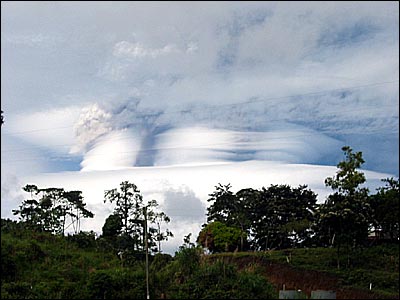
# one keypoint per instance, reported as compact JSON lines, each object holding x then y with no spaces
{"x":99,"y":285}
{"x":84,"y":240}
{"x":16,"y":290}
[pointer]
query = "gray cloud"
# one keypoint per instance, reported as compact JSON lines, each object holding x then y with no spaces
{"x":11,"y":194}
{"x":183,"y":66}
{"x":181,"y":205}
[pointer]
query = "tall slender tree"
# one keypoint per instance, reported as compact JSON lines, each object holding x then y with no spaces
{"x":130,"y":208}
{"x":344,"y":217}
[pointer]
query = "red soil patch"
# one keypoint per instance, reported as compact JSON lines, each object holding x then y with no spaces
{"x":305,"y":280}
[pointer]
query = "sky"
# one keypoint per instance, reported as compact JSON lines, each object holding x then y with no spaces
{"x":180,"y":96}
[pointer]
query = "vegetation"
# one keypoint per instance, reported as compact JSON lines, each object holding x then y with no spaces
{"x":218,"y":237}
{"x":50,"y":209}
{"x":130,"y":217}
{"x":277,"y":217}
{"x":280,"y":224}
{"x":39,"y":265}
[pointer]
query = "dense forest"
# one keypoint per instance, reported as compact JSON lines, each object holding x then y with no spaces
{"x":353,"y":235}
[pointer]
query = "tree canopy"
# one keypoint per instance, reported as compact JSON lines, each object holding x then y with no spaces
{"x":132,"y":211}
{"x":49,"y":209}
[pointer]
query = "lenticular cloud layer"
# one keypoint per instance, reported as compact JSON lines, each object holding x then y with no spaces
{"x":126,"y":135}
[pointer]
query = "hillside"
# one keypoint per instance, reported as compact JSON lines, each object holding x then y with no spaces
{"x":43,"y":266}
{"x":315,"y":269}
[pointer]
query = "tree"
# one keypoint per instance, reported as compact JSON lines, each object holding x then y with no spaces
{"x":29,"y":211}
{"x":112,"y":226}
{"x":281,"y":216}
{"x":218,"y":237}
{"x":277,"y":217}
{"x":231,"y":209}
{"x":158,"y":218}
{"x":75,"y":208}
{"x":50,"y":211}
{"x":129,"y":203}
{"x":224,"y":206}
{"x":385,"y":209}
{"x":344,"y":217}
{"x":131,"y":209}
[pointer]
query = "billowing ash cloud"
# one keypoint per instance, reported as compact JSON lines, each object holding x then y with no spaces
{"x":299,"y":129}
{"x":93,"y":122}
{"x":126,"y":134}
{"x":183,"y":68}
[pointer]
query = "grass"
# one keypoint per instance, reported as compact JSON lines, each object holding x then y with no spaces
{"x":378,"y":265}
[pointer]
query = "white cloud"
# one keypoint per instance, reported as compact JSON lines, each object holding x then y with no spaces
{"x":285,"y":142}
{"x":11,"y":194}
{"x":48,"y":128}
{"x":112,"y":151}
{"x":137,"y":50}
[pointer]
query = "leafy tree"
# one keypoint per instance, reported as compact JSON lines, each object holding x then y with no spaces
{"x":54,"y":207}
{"x":231,"y":209}
{"x":112,"y":226}
{"x":277,"y":217}
{"x":29,"y":209}
{"x":224,"y":205}
{"x":129,"y":204}
{"x":281,"y":216}
{"x":155,"y":218}
{"x":218,"y":237}
{"x":385,"y":209}
{"x":131,"y":209}
{"x":344,"y":217}
{"x":245,"y":200}
{"x":49,"y":209}
{"x":158,"y":218}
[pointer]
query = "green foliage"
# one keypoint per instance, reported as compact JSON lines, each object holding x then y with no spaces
{"x":385,"y":209}
{"x":112,"y":226}
{"x":277,"y":217}
{"x":224,"y":206}
{"x":84,"y":240}
{"x":129,"y":205}
{"x":378,"y":265}
{"x":16,"y":290}
{"x":282,"y":216}
{"x":218,"y":237}
{"x":348,"y":179}
{"x":52,"y":210}
{"x":187,"y":260}
{"x":133,"y":212}
{"x":191,"y":277}
{"x":344,"y":218}
{"x":38,"y":265}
